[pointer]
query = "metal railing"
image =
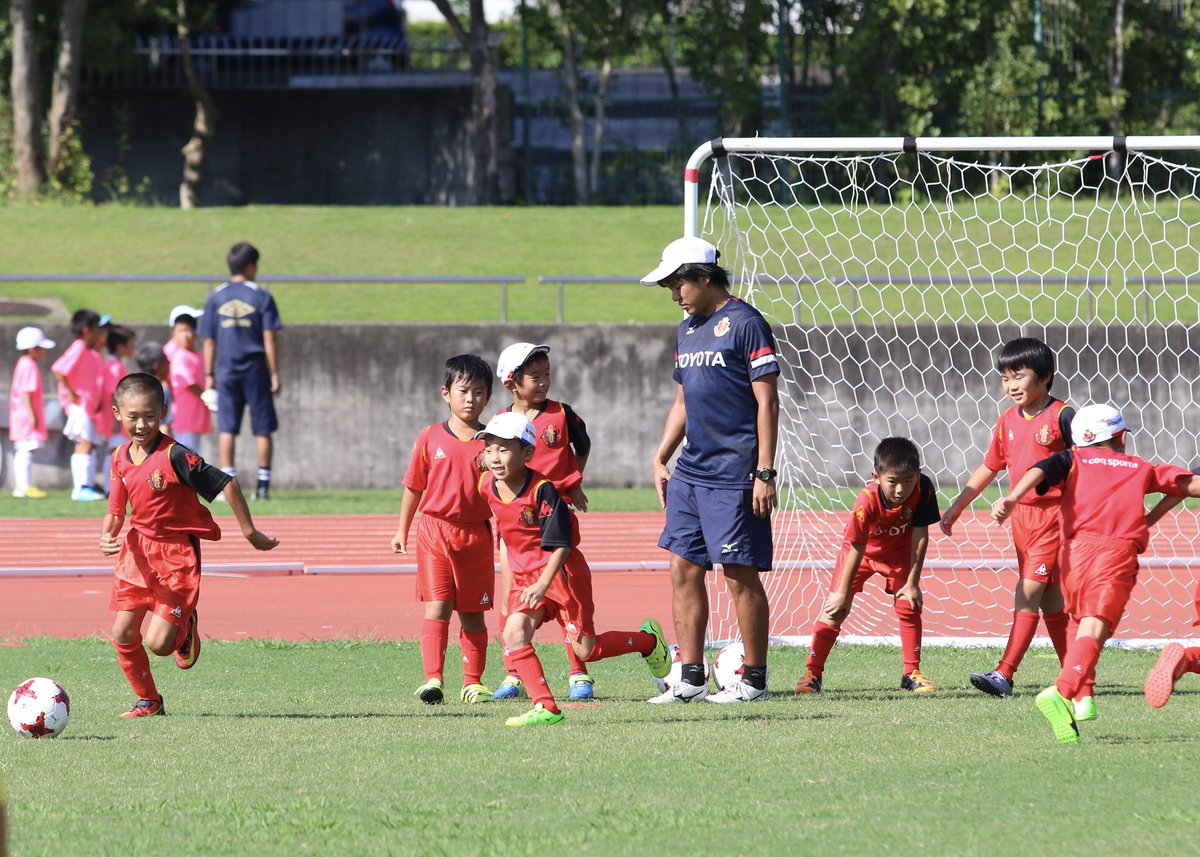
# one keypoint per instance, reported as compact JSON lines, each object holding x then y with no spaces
{"x":562,"y":281}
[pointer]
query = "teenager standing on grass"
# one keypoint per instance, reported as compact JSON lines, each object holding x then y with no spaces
{"x":720,"y":497}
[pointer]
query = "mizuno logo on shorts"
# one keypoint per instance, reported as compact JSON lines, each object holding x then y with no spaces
{"x":729,"y":548}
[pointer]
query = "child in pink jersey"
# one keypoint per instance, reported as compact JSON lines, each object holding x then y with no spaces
{"x":80,"y":376}
{"x":122,"y":345}
{"x":26,"y":417}
{"x":192,"y":419}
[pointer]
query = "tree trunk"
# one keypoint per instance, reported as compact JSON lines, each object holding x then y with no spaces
{"x":64,"y":90}
{"x":27,"y":137}
{"x":483,"y":97}
{"x":204,"y":121}
{"x":1116,"y":77}
{"x":666,"y":57}
{"x":574,"y":113}
{"x":602,"y":82}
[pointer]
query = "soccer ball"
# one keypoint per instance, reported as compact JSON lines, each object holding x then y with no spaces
{"x":676,"y":674}
{"x":39,"y":708}
{"x":727,"y":665}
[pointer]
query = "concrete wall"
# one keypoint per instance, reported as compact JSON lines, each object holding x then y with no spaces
{"x":355,"y":396}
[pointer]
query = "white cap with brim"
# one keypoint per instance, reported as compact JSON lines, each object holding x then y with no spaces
{"x":183,"y":309}
{"x":509,"y":426}
{"x":515,"y":356}
{"x":32,"y":337}
{"x":1094,"y":424}
{"x":681,"y":251}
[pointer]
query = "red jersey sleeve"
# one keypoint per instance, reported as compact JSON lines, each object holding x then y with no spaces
{"x":1165,"y":479}
{"x":862,"y":517}
{"x":416,"y":478}
{"x":118,"y":498}
{"x":994,"y":458}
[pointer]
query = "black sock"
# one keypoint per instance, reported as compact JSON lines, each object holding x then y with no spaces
{"x":694,"y":674}
{"x":756,"y":677}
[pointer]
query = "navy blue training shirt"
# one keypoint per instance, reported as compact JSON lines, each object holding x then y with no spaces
{"x":235,"y":315}
{"x":716,"y":359}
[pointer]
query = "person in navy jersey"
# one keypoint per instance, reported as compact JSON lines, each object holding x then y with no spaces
{"x":241,"y":363}
{"x":720,"y":497}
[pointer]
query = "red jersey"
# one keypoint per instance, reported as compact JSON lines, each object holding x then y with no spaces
{"x":561,"y":440}
{"x":162,"y":491}
{"x":1019,"y":442}
{"x":534,"y":523}
{"x":446,"y":469}
{"x":1104,"y":491}
{"x":887,"y":531}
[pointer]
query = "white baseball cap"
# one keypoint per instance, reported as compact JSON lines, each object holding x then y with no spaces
{"x":1095,"y":424}
{"x":681,"y":251}
{"x":183,"y":309}
{"x":32,"y":337}
{"x":515,"y":356}
{"x":510,"y":426}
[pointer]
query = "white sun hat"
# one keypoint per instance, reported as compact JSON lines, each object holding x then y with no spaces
{"x":509,"y":426}
{"x":515,"y":356}
{"x":1095,"y":424}
{"x":681,"y":251}
{"x":32,"y":337}
{"x":183,"y":309}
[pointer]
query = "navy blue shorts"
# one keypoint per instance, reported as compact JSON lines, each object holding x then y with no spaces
{"x":234,"y":393}
{"x":715,"y":526}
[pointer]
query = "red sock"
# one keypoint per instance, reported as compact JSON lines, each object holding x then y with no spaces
{"x":612,"y":644}
{"x":1192,"y":659}
{"x":529,"y":669}
{"x":435,"y":635}
{"x":910,"y":635}
{"x":1081,"y":662}
{"x":135,"y":663}
{"x":1056,"y":627}
{"x":1024,"y":626}
{"x":474,"y":654}
{"x":823,"y":638}
{"x":574,"y":662}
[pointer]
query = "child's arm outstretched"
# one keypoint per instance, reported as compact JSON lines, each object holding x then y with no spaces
{"x":980,"y":479}
{"x":911,"y":590}
{"x":237,"y":504}
{"x":1033,"y":477}
{"x":1169,"y":502}
{"x":408,"y":510}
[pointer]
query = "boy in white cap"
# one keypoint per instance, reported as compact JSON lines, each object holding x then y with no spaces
{"x":26,"y":416}
{"x":186,"y":378}
{"x":550,"y":577}
{"x":1104,"y":528}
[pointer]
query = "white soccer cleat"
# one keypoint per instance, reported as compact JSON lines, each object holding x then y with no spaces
{"x":681,"y":692}
{"x":739,"y":691}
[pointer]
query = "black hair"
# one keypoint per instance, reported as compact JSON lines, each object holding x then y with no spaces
{"x":118,"y":335}
{"x":696,"y":271}
{"x":185,"y":318}
{"x":149,"y":356}
{"x":1027,"y":353}
{"x":82,"y":320}
{"x":897,"y":455}
{"x":470,"y":368}
{"x":241,"y":255}
{"x":140,"y":384}
{"x":535,"y":357}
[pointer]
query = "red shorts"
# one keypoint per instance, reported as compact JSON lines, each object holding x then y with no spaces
{"x":1037,"y":535}
{"x":454,"y":564}
{"x":894,"y":576}
{"x":568,"y":600}
{"x":159,"y":576}
{"x":1098,"y":576}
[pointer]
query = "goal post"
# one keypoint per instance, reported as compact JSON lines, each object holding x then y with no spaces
{"x":892,"y":270}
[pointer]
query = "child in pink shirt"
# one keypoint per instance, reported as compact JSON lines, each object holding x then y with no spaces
{"x":192,"y":419}
{"x":80,"y":376}
{"x":26,"y":417}
{"x":122,"y":344}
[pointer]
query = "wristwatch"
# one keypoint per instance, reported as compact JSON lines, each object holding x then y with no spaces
{"x":767,"y":474}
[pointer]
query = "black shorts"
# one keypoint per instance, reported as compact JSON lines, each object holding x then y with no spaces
{"x":253,"y":389}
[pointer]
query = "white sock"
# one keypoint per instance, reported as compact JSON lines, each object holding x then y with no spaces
{"x":22,"y":469}
{"x":80,"y":464}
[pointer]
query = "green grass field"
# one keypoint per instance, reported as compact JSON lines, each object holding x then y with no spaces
{"x":281,"y":749}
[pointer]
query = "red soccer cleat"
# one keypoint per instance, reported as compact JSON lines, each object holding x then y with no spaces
{"x":1160,"y":683}
{"x":189,"y":651}
{"x":145,"y":708}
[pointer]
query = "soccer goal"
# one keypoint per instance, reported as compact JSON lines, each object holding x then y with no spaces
{"x":893,"y":269}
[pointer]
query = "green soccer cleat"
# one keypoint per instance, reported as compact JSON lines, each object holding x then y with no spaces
{"x":536,"y":716}
{"x":474,"y":693}
{"x":659,"y":659}
{"x":1085,"y":709}
{"x":431,"y":692}
{"x":1060,"y":714}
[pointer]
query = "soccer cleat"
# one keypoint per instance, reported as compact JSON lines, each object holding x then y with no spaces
{"x":431,"y":692}
{"x":474,"y":693}
{"x":808,"y":683}
{"x":1084,"y":709}
{"x":510,"y":688}
{"x":914,"y":682}
{"x":681,"y":692}
{"x":145,"y":708}
{"x":536,"y":716}
{"x":1160,"y":683}
{"x":30,"y":493}
{"x":659,"y":659}
{"x":86,"y":494}
{"x":189,"y":651}
{"x":739,"y":691}
{"x":1058,"y":712}
{"x":993,"y":684}
{"x":581,"y":688}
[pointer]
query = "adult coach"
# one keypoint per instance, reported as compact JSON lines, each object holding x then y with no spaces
{"x":241,"y":361}
{"x":720,"y":497}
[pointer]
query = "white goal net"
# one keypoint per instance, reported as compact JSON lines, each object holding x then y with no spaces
{"x":892,"y":279}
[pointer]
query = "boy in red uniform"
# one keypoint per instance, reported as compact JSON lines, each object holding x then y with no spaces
{"x":550,"y":577}
{"x":1174,"y":661}
{"x":1037,"y":425}
{"x":454,"y":542}
{"x":887,"y":534}
{"x":560,"y":455}
{"x":158,"y":567}
{"x":1104,"y":528}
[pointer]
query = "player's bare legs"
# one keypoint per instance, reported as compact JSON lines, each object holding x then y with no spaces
{"x":753,"y":611}
{"x":689,"y":608}
{"x":266,"y":449}
{"x":226,"y":447}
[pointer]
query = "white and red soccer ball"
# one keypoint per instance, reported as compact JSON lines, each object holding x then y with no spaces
{"x":39,"y":708}
{"x":727,"y":665}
